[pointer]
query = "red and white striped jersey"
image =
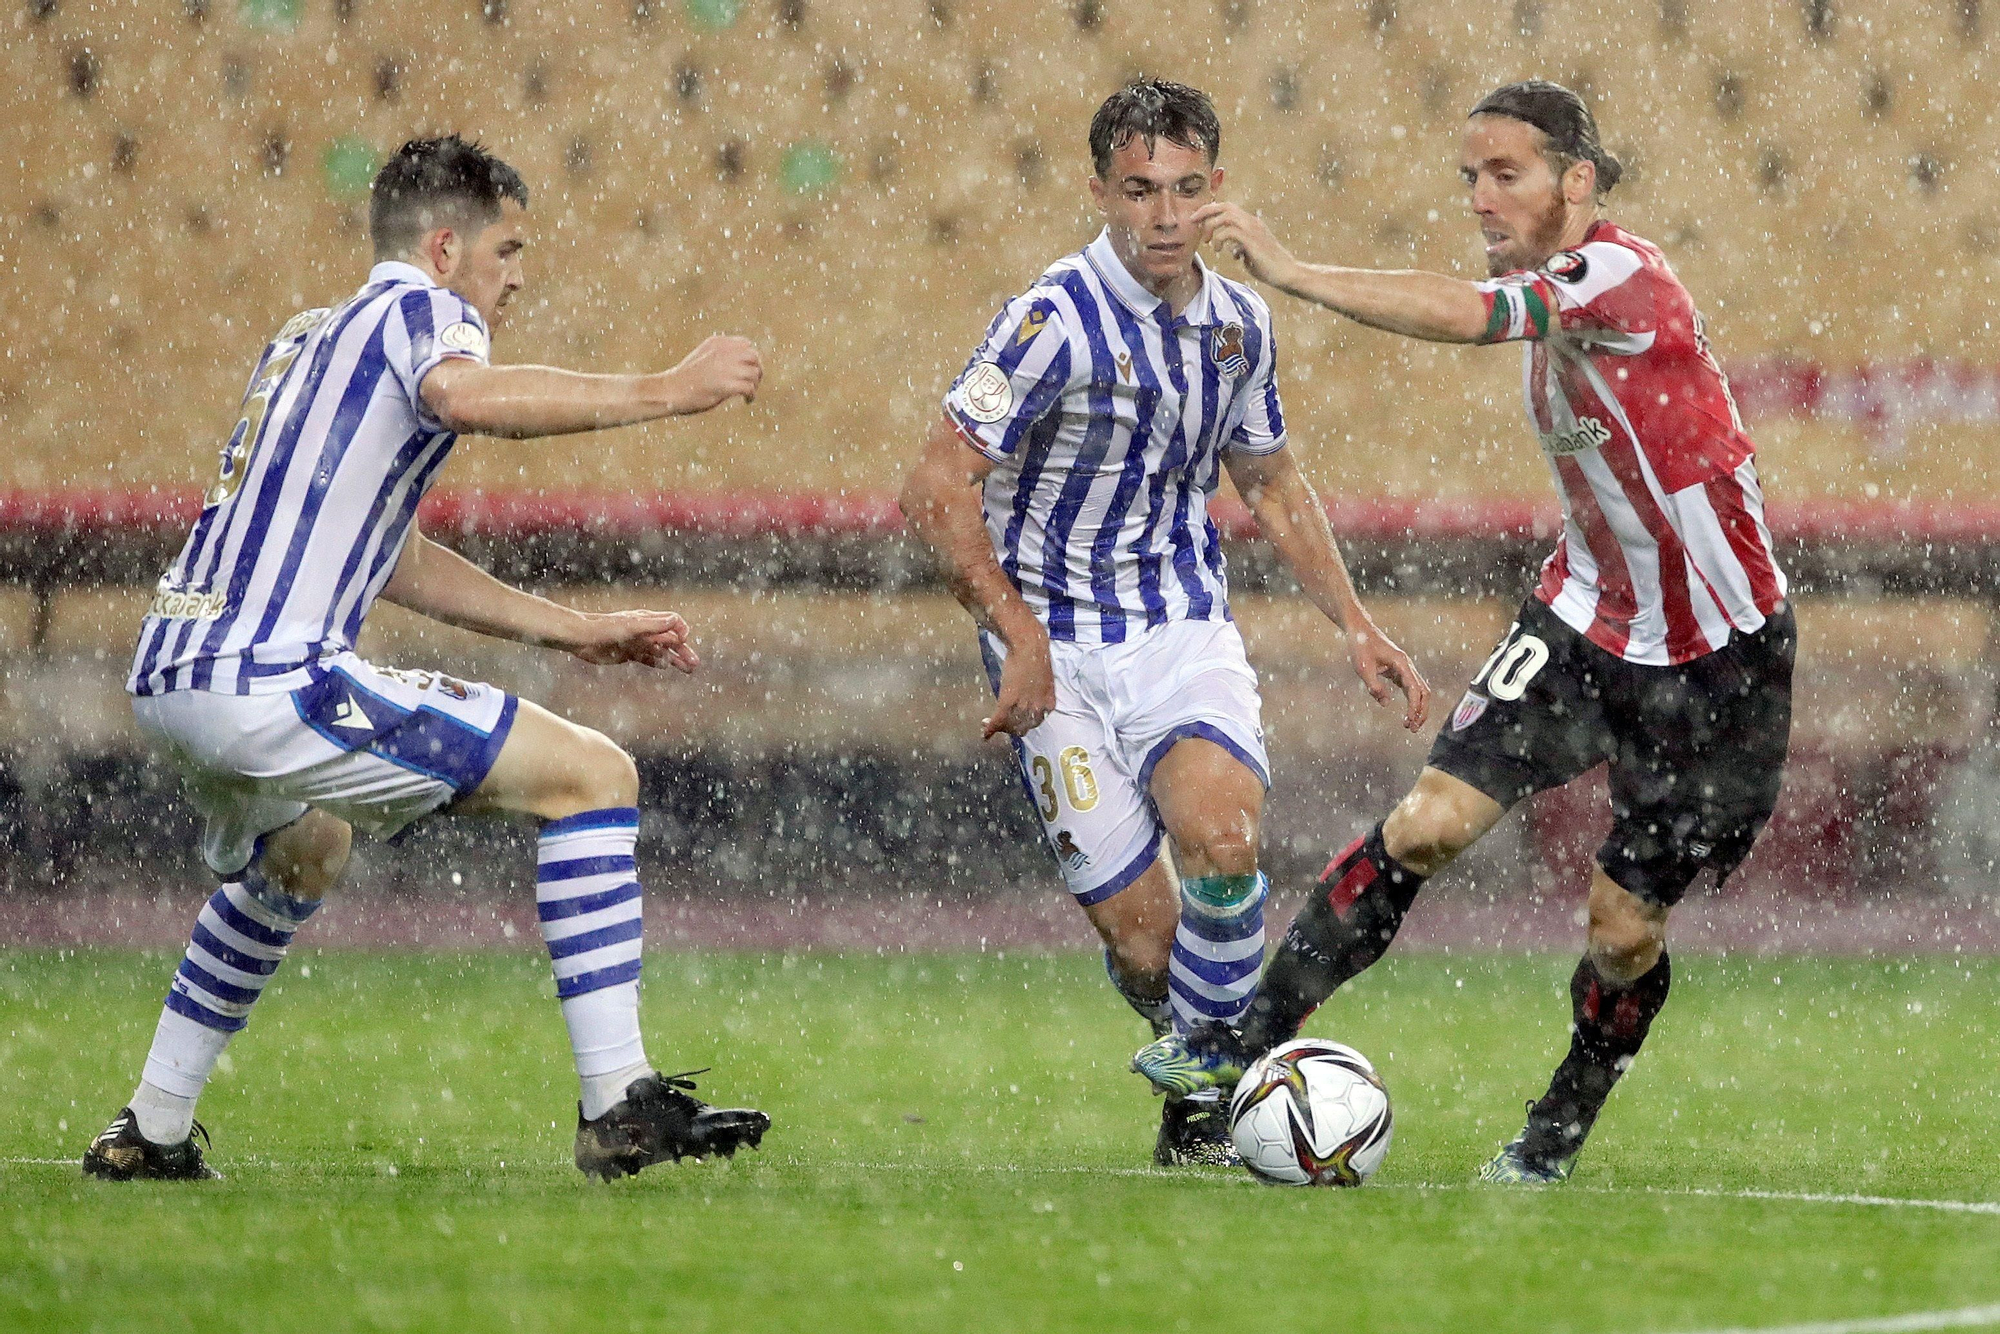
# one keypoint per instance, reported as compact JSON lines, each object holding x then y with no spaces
{"x":1664,"y":552}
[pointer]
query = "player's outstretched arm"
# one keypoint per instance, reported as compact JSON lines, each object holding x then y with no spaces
{"x":522,"y":402}
{"x":941,"y":501}
{"x":437,"y":582}
{"x":1421,"y":305}
{"x":1292,"y":519}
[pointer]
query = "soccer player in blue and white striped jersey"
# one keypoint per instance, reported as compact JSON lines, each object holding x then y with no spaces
{"x":1066,"y":492}
{"x":246,"y":673}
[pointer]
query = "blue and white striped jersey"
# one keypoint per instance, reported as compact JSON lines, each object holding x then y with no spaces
{"x":319,"y":486}
{"x":1108,"y":416}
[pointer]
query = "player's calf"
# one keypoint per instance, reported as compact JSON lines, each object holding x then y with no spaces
{"x":1137,"y":927}
{"x":588,"y":899}
{"x":1144,"y":989}
{"x":1610,"y":1020}
{"x":239,"y":940}
{"x":1218,"y":948}
{"x":1344,"y":927}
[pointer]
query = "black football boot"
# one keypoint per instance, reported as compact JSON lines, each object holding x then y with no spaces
{"x":121,"y":1153}
{"x":658,"y":1121}
{"x":1194,"y":1132}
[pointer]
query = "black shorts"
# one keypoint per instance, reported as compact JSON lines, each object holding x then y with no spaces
{"x":1696,"y":751}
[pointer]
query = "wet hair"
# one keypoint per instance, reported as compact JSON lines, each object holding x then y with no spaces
{"x":1569,"y":130}
{"x":1153,"y":109}
{"x":443,"y":182}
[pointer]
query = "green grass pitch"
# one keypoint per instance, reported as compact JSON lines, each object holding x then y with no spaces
{"x":958,"y":1146}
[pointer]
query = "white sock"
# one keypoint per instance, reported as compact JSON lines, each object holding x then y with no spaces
{"x":183,"y":1055}
{"x":587,"y":896}
{"x":604,"y":1034}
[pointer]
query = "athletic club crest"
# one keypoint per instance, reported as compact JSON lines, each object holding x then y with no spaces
{"x":1225,"y":349}
{"x":1468,"y":711}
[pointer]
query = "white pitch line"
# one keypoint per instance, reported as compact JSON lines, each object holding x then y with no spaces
{"x":1989,"y":1208}
{"x":1808,"y":1197}
{"x":1967,"y":1317}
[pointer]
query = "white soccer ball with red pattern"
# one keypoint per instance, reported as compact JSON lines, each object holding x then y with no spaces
{"x":1311,"y":1113}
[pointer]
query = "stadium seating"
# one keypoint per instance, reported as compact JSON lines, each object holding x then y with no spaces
{"x":857,"y":186}
{"x":194,"y":181}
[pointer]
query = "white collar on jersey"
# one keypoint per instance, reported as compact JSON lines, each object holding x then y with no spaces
{"x":395,"y":271}
{"x":1104,"y":258}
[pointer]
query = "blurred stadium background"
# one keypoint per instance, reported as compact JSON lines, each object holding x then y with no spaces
{"x":856,"y":184}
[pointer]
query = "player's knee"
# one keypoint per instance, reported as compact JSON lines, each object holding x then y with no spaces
{"x":596,"y":774}
{"x":1423,"y":834}
{"x":306,"y":859}
{"x":1625,"y":941}
{"x":611,"y":777}
{"x":1224,"y":845}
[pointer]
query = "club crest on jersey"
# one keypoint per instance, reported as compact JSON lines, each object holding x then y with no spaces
{"x":1069,"y":853}
{"x":1225,"y":349}
{"x":987,"y":393}
{"x":1468,"y":711}
{"x":1568,"y":267}
{"x":1037,"y":320}
{"x":1589,"y":433}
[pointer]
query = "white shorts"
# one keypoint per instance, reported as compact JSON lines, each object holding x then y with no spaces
{"x":376,"y":746}
{"x":1119,"y":709}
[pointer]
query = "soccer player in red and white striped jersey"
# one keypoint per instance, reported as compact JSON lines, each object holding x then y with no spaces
{"x":1657,"y":640}
{"x":1664,"y":553}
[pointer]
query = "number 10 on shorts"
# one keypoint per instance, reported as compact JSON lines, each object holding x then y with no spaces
{"x":1079,"y":783}
{"x":1507,"y":673}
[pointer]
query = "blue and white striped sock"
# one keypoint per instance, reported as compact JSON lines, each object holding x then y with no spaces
{"x":587,"y":896}
{"x":1218,"y":948}
{"x":238,"y":942}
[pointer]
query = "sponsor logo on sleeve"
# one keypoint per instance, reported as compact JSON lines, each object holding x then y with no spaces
{"x":1225,"y":349}
{"x":987,"y":393}
{"x":464,"y":336}
{"x":1567,"y":267}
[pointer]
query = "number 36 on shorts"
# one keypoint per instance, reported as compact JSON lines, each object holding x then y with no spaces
{"x":1507,"y":673}
{"x":1079,"y":783}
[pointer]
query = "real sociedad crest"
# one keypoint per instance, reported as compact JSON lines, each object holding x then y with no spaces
{"x":1225,"y":349}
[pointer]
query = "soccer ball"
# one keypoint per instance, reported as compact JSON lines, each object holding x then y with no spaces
{"x":1311,"y":1113}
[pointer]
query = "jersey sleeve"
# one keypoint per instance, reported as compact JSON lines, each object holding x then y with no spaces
{"x":1015,"y":379}
{"x":1262,"y":430}
{"x":1600,"y":294}
{"x":437,"y":325}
